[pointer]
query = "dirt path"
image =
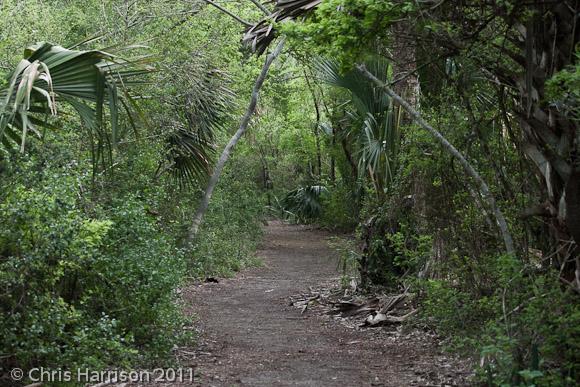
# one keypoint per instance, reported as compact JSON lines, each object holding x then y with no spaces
{"x":250,"y":336}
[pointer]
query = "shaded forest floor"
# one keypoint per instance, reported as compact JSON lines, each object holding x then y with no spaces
{"x":249,"y":334}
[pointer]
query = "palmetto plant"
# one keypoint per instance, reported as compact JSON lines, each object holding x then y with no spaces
{"x":89,"y":81}
{"x":374,"y":123}
{"x":304,"y":203}
{"x":202,"y":109}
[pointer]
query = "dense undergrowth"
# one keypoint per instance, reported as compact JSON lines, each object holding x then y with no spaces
{"x":430,"y":232}
{"x":92,"y":283}
{"x":83,"y":284}
{"x":95,"y":204}
{"x":228,"y":239}
{"x":511,"y":315}
{"x":420,"y":223}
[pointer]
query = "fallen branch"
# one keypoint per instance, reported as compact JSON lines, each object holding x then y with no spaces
{"x":392,"y":302}
{"x":349,"y":308}
{"x":305,"y":303}
{"x":381,"y":318}
{"x":198,"y":217}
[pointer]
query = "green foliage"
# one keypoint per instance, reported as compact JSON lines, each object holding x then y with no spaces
{"x":453,"y":310}
{"x":535,"y":339}
{"x":411,"y":251}
{"x":345,"y":29}
{"x":525,"y":328}
{"x":80,"y":288}
{"x":231,"y":230}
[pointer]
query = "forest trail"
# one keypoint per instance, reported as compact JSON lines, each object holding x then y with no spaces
{"x":251,"y":336}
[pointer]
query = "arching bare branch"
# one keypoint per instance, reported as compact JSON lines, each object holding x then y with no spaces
{"x":236,"y":17}
{"x":202,"y":209}
{"x":261,"y":6}
{"x":467,"y":167}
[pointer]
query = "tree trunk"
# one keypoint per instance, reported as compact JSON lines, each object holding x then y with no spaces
{"x":332,"y":162}
{"x":316,"y":126}
{"x":483,"y":188}
{"x":202,"y":209}
{"x":404,"y":49}
{"x":550,"y":135}
{"x":349,"y":158}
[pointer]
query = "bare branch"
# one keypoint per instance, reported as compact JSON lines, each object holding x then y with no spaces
{"x":261,"y":6}
{"x":483,"y":188}
{"x":201,"y":210}
{"x":239,"y":19}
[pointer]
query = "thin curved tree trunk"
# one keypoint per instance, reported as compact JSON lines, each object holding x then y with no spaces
{"x":202,"y":209}
{"x":316,"y":126}
{"x":482,"y":185}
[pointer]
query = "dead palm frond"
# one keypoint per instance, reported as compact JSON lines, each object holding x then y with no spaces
{"x":259,"y":36}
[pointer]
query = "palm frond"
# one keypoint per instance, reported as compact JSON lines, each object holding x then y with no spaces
{"x":365,"y":96}
{"x":259,"y":36}
{"x":208,"y":102}
{"x":189,"y":154}
{"x":49,"y":74}
{"x":373,"y":125}
{"x":305,"y":202}
{"x":379,"y":146}
{"x":204,"y":106}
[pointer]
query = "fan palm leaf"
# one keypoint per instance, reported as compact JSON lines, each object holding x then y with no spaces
{"x":49,"y":74}
{"x":189,"y":154}
{"x":305,"y":202}
{"x":373,"y":123}
{"x":204,"y":107}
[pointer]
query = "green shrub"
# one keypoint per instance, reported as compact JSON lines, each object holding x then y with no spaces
{"x":410,"y":251}
{"x":81,"y":285}
{"x":232,"y":227}
{"x":527,"y":330}
{"x":339,"y":208}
